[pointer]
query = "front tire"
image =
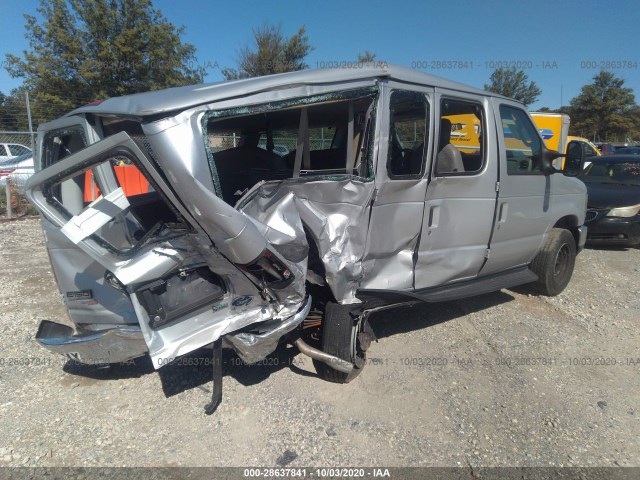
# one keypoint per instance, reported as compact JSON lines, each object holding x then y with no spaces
{"x":554,"y":263}
{"x":339,"y":337}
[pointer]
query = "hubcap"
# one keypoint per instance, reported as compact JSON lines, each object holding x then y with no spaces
{"x":562,"y":261}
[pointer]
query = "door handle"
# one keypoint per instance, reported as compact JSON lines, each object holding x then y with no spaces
{"x":434,"y":216}
{"x":502,"y":216}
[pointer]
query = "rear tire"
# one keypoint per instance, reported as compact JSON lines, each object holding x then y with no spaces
{"x":339,"y":337}
{"x":554,"y":263}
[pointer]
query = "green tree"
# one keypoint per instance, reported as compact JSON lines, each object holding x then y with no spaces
{"x":13,"y":111}
{"x":604,"y":109}
{"x":514,"y":84}
{"x":272,"y":53}
{"x":5,"y":115}
{"x":366,"y":57}
{"x":88,"y":49}
{"x":634,"y":112}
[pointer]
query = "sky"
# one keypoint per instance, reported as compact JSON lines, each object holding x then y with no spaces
{"x":560,"y":44}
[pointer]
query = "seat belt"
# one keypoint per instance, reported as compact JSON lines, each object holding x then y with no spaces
{"x":269,"y":144}
{"x":302,"y":147}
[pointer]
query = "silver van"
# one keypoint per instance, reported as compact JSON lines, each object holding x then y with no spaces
{"x":172,"y":223}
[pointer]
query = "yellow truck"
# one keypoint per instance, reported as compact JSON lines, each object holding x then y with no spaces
{"x":465,"y":132}
{"x":554,"y":129}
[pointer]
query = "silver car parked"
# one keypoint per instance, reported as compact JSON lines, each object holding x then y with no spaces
{"x":166,"y":236}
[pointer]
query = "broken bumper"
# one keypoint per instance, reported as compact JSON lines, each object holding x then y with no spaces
{"x":253,"y":347}
{"x":121,"y":344}
{"x":115,"y":345}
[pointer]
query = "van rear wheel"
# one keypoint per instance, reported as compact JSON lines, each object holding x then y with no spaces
{"x":554,"y":263}
{"x":339,"y":337}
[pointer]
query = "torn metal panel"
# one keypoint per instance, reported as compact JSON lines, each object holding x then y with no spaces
{"x":253,"y":347}
{"x":335,"y":212}
{"x":231,"y":232}
{"x":278,"y":220}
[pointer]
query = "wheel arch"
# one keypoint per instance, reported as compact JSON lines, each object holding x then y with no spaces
{"x":321,"y":293}
{"x":571,"y":223}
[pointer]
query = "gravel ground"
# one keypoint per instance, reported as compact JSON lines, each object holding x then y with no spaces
{"x":506,"y":379}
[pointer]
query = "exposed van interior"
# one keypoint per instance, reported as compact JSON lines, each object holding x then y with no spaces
{"x":146,"y":214}
{"x":309,"y":139}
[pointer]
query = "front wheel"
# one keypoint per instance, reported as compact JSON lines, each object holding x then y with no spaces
{"x":340,"y":337}
{"x":554,"y":262}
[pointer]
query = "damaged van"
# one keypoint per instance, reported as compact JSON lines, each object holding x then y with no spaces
{"x":172,"y":222}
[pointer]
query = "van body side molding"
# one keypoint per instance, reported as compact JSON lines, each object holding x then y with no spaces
{"x":455,"y":291}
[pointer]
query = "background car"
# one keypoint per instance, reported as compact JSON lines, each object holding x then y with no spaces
{"x":280,"y":150}
{"x":628,"y":151}
{"x":590,"y":150}
{"x":12,"y":150}
{"x":277,"y":149}
{"x":613,"y":186}
{"x":19,"y":169}
{"x":23,"y":171}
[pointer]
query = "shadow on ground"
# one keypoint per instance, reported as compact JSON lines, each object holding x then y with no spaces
{"x":195,"y":370}
{"x":423,"y":315}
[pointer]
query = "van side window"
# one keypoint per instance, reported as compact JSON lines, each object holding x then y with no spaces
{"x":522,"y":142}
{"x":407,"y":134}
{"x":459,"y":149}
{"x":57,"y":145}
{"x":314,"y":136}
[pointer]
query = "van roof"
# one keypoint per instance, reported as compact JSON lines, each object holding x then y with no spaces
{"x":181,"y":98}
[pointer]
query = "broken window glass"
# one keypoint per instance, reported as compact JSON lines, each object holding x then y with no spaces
{"x":249,"y":148}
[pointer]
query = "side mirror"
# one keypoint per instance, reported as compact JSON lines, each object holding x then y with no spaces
{"x":574,"y":159}
{"x":548,"y":156}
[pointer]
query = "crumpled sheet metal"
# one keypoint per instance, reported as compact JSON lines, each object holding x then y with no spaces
{"x":102,"y":347}
{"x":253,"y":347}
{"x":232,"y":233}
{"x":167,"y":343}
{"x":336,"y":216}
{"x":277,"y":218}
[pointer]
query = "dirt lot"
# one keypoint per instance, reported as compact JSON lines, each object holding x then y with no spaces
{"x":500,"y":380}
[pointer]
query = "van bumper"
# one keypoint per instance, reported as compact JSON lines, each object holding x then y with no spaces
{"x":582,"y":237}
{"x":115,"y":345}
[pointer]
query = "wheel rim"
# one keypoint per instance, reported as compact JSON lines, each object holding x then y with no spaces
{"x":562,"y":261}
{"x":355,"y":343}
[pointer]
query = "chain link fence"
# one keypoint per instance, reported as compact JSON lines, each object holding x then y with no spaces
{"x":16,"y":166}
{"x":13,"y":202}
{"x":282,"y":145}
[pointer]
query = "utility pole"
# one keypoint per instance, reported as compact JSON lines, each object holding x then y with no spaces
{"x":33,"y":141}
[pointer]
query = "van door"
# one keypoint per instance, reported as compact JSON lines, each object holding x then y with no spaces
{"x":86,"y":300}
{"x":461,"y":196}
{"x":145,"y":244}
{"x":396,"y":213}
{"x":524,"y":197}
